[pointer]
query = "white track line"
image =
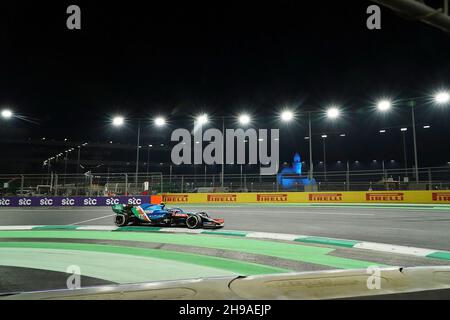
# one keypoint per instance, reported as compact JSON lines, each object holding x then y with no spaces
{"x":100,"y":228}
{"x":275,"y":236}
{"x":109,"y":215}
{"x":384,"y":247}
{"x":16,"y":227}
{"x":261,"y":213}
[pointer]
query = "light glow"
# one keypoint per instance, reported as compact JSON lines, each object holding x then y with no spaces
{"x":160,"y":121}
{"x":333,"y":112}
{"x":7,"y":114}
{"x":118,"y":121}
{"x":384,"y":105}
{"x":244,"y":119}
{"x":287,"y":115}
{"x":442,"y":97}
{"x":202,"y":119}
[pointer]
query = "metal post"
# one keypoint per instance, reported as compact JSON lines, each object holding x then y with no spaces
{"x":430,"y":181}
{"x":405,"y":158}
{"x":126,"y":183}
{"x":78,"y":160}
{"x":241,"y":177}
{"x":78,"y":169}
{"x":22,"y":182}
{"x":148,"y":160}
{"x":170,"y":176}
{"x":324,"y":160}
{"x":415,"y":142}
{"x":204,"y":177}
{"x":182,"y":184}
{"x":311,"y":166}
{"x":65,"y":169}
{"x":347,"y":176}
{"x":137,"y":154}
{"x":56,"y":185}
{"x":223,"y":151}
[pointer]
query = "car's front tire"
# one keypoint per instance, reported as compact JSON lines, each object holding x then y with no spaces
{"x":121,"y":220}
{"x":193,"y":222}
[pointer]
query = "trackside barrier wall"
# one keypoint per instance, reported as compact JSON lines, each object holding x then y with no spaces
{"x":399,"y":197}
{"x":74,"y":201}
{"x":430,"y":197}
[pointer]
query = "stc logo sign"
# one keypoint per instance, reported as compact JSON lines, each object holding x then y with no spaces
{"x":5,"y":202}
{"x":68,"y":202}
{"x":112,"y":201}
{"x":24,"y":202}
{"x":385,"y":197}
{"x":46,"y":202}
{"x":325,"y":197}
{"x":134,"y":201}
{"x":90,"y":202}
{"x":271,"y":197}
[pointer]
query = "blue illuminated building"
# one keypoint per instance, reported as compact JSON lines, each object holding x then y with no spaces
{"x":291,"y":177}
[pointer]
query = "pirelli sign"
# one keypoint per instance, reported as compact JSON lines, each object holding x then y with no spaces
{"x":176,"y":198}
{"x":272,"y":197}
{"x":440,"y":197}
{"x":222,"y":198}
{"x":385,"y":197}
{"x":325,"y":197}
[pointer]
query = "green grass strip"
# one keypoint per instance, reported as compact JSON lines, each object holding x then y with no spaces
{"x":55,"y":228}
{"x":329,"y":241}
{"x":139,"y":229}
{"x":439,"y":255}
{"x":239,"y":267}
{"x":290,"y":251}
{"x":226,"y":233}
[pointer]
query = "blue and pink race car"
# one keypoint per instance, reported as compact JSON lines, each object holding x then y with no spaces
{"x":159,"y":215}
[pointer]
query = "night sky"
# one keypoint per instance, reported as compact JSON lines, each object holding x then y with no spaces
{"x":181,"y":58}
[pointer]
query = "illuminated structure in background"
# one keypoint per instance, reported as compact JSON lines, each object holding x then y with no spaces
{"x":291,"y":177}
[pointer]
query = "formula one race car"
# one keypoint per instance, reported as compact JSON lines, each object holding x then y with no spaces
{"x":159,"y":215}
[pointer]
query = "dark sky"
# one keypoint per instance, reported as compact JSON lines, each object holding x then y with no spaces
{"x":178,"y":58}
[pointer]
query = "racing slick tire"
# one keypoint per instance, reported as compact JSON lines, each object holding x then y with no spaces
{"x":121,"y":220}
{"x":193,"y":222}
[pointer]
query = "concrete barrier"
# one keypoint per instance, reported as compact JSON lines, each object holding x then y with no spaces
{"x":399,"y":197}
{"x":370,"y":197}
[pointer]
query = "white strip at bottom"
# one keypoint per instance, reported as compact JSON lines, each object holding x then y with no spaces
{"x":276,"y":236}
{"x":181,"y":230}
{"x":383,"y":247}
{"x":102,"y":228}
{"x":16,"y":227}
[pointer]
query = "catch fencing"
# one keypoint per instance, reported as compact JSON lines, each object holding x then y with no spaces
{"x":126,"y":184}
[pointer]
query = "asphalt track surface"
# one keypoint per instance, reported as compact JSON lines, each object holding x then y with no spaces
{"x":424,"y":227}
{"x":37,"y":259}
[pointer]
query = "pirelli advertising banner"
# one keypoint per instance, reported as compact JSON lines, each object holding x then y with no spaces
{"x":442,"y":197}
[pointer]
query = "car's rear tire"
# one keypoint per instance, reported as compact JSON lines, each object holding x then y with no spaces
{"x":121,"y":220}
{"x":193,"y":222}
